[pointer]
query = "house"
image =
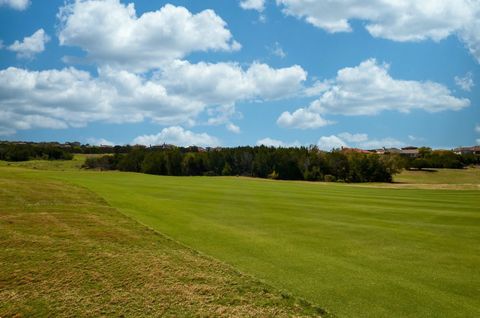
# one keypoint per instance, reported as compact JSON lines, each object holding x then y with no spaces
{"x":411,"y":152}
{"x":467,"y":150}
{"x":380,"y":151}
{"x":392,"y":151}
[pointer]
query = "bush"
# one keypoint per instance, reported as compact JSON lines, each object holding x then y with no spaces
{"x":25,"y":152}
{"x":329,"y":178}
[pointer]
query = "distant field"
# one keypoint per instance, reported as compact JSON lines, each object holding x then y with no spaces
{"x":358,"y":251}
{"x":64,"y":252}
{"x":441,"y":176}
{"x":57,"y":165}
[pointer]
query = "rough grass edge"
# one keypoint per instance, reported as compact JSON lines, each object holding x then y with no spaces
{"x":296,"y":300}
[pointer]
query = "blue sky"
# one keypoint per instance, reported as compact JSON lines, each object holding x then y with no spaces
{"x":286,"y":72}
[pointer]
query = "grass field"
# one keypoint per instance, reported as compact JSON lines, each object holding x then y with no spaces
{"x":357,"y":251}
{"x":55,"y":165}
{"x":64,"y":252}
{"x":441,"y":176}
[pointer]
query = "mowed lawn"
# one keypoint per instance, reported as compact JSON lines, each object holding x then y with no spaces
{"x":356,"y":251}
{"x":470,"y":176}
{"x":64,"y":252}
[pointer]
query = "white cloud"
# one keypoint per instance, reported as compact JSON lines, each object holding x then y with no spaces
{"x":466,"y":82}
{"x":380,"y":143}
{"x":100,"y":142}
{"x":11,"y":121}
{"x":72,"y":98}
{"x":278,"y":51}
{"x":178,"y":136}
{"x":368,"y":89}
{"x":406,"y":20}
{"x":353,"y":137}
{"x":328,"y":143}
{"x":415,"y":138}
{"x":258,"y":5}
{"x":176,"y":95}
{"x":225,"y":83}
{"x":478,"y":141}
{"x":112,"y":34}
{"x":316,"y":89}
{"x":477,"y":128}
{"x":233,"y":128}
{"x":269,"y":142}
{"x":357,"y":140}
{"x":15,"y":4}
{"x":31,"y":45}
{"x":303,"y":119}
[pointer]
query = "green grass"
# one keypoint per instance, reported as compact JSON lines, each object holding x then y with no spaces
{"x":56,"y":165}
{"x":64,"y":252}
{"x":358,"y":251}
{"x":441,"y":176}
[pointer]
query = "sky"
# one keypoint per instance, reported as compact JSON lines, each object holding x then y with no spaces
{"x":351,"y":73}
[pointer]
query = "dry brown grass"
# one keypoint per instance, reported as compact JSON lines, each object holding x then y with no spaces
{"x":65,"y":253}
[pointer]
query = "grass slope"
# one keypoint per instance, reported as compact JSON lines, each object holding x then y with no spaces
{"x":64,"y":252}
{"x":56,"y":165}
{"x":441,"y":176}
{"x":357,"y":251}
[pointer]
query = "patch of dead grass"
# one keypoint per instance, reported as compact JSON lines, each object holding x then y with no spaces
{"x":64,"y":252}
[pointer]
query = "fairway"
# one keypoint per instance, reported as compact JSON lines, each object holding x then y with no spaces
{"x":356,"y":251}
{"x":470,"y":176}
{"x":64,"y":252}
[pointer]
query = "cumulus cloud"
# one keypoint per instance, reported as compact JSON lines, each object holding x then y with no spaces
{"x":368,"y":89}
{"x":258,"y":5}
{"x":11,"y":121}
{"x":316,"y":89}
{"x":112,"y":34}
{"x":31,"y":45}
{"x":73,"y":98}
{"x":302,"y":119}
{"x":100,"y":142}
{"x":381,"y":143}
{"x":225,"y":83}
{"x":328,"y":143}
{"x":406,"y":20}
{"x":178,"y":136}
{"x":269,"y":142}
{"x":357,"y":140}
{"x":174,"y":95}
{"x":466,"y":82}
{"x":477,"y":128}
{"x":15,"y":4}
{"x":353,"y":137}
{"x":233,"y":128}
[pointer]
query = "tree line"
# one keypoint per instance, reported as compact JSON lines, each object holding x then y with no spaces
{"x":304,"y":163}
{"x":25,"y":152}
{"x":435,"y":159}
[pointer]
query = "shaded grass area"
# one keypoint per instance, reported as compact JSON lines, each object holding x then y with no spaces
{"x":64,"y":252}
{"x":357,"y":251}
